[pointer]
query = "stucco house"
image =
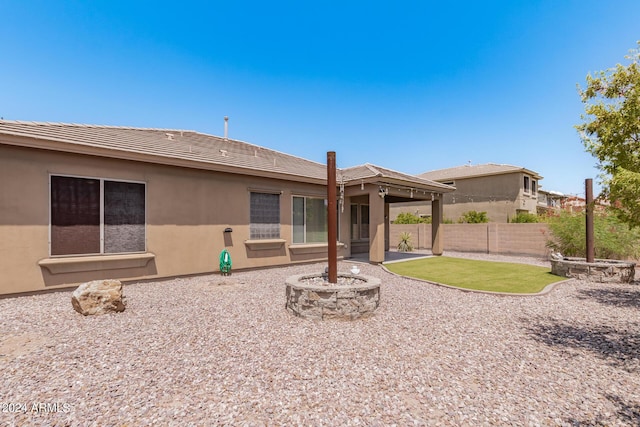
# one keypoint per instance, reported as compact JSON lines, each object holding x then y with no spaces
{"x":500,"y":190}
{"x":550,"y":201}
{"x":84,"y":202}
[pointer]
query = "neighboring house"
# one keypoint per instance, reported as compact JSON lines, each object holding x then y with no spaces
{"x":577,"y":204}
{"x":81,"y":202}
{"x":500,"y":190}
{"x":550,"y":201}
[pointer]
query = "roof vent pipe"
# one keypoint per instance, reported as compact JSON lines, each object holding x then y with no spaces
{"x":226,"y":127}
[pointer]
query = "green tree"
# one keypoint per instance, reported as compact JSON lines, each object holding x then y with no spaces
{"x":473,"y":217}
{"x":611,"y":132}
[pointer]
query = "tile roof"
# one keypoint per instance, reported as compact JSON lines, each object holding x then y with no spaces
{"x":167,"y":146}
{"x":469,"y":171}
{"x":191,"y":149}
{"x":369,"y":172}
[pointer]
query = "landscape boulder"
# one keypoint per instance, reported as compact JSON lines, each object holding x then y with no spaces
{"x":98,"y":297}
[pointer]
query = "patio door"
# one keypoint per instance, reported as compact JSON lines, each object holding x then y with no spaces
{"x":359,"y":228}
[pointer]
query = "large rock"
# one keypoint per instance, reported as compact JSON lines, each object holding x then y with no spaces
{"x":98,"y":297}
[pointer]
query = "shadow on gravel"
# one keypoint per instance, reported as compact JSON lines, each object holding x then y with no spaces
{"x":620,"y":348}
{"x":615,"y":297}
{"x":628,"y":413}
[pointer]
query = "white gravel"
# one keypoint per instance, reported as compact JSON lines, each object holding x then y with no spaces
{"x":215,"y":350}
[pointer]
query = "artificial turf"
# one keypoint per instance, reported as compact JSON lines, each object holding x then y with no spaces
{"x":478,"y":275}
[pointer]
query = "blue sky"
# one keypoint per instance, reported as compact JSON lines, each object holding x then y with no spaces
{"x":408,"y":85}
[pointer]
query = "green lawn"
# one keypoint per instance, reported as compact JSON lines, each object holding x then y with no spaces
{"x":478,"y":275}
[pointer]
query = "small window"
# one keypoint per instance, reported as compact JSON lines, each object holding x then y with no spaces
{"x":534,"y":187}
{"x":309,"y":220}
{"x":527,"y":187}
{"x":264,"y":216}
{"x":96,"y":216}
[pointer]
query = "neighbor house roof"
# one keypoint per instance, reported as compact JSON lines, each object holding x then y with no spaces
{"x":471,"y":171}
{"x":167,"y":146}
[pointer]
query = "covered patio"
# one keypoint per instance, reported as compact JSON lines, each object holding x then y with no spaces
{"x":365,"y":194}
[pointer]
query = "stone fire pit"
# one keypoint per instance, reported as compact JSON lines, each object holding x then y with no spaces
{"x":602,"y":270}
{"x":312,"y":297}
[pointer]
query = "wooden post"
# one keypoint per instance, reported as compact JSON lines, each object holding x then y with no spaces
{"x":437,"y":242}
{"x":332,"y":217}
{"x":588,"y":187}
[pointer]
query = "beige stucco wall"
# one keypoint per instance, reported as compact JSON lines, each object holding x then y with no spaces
{"x":187,"y":212}
{"x":501,"y":196}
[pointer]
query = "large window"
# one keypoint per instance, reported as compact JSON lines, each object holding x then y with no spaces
{"x":96,"y":216}
{"x":264,"y":213}
{"x":309,"y":220}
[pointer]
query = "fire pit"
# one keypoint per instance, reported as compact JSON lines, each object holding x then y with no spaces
{"x":353,"y":296}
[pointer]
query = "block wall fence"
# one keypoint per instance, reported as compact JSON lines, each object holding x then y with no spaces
{"x":494,"y":238}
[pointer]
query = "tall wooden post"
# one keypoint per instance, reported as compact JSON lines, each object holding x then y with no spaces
{"x":332,"y":217}
{"x":437,"y":241}
{"x":588,"y":187}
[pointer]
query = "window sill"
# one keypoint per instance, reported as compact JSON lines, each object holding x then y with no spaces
{"x":78,"y":264}
{"x":312,"y":248}
{"x":265,"y":244}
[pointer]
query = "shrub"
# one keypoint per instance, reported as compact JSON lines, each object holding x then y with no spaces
{"x":525,"y":217}
{"x":473,"y":217}
{"x":612,"y":238}
{"x":409,"y":218}
{"x":405,"y":243}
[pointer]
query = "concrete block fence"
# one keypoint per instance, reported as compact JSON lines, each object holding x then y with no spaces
{"x":494,"y":238}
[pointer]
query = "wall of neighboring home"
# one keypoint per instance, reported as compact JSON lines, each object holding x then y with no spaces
{"x":515,"y":239}
{"x":501,"y":196}
{"x":187,"y":212}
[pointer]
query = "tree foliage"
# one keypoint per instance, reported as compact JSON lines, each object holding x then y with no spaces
{"x":409,"y":218}
{"x":611,"y":132}
{"x":612,"y":238}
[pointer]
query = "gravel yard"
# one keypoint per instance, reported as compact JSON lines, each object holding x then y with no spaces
{"x":214,"y":350}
